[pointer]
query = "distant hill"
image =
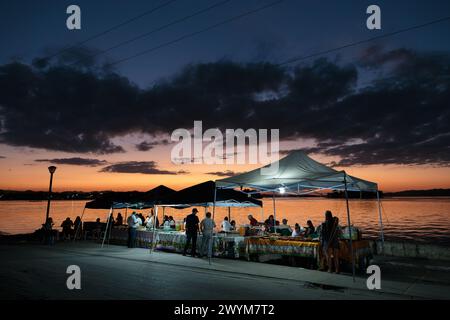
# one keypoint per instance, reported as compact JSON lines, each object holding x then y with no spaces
{"x":420,"y":193}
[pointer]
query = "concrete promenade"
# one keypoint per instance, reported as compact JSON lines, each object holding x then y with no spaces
{"x":31,"y":271}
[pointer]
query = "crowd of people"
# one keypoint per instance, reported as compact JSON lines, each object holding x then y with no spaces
{"x":327,"y":232}
{"x":270,"y":225}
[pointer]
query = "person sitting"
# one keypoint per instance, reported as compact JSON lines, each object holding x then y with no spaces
{"x":233,"y":225}
{"x":270,"y":224}
{"x":111,"y":221}
{"x":253,"y":221}
{"x":172,"y":223}
{"x":226,"y":225}
{"x":166,"y":223}
{"x":284,"y":229}
{"x":97,"y":230}
{"x":297,"y":232}
{"x":67,"y":228}
{"x":119,"y":219}
{"x":310,"y":229}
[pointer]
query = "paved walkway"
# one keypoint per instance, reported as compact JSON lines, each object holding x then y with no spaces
{"x":116,"y":272}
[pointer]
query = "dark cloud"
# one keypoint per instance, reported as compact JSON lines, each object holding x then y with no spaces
{"x":401,"y":117}
{"x":76,"y":161}
{"x":148,"y":145}
{"x":144,"y":167}
{"x":227,"y":173}
{"x":63,"y":108}
{"x":2,"y":157}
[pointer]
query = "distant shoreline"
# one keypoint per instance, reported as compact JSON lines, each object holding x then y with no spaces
{"x":30,"y":195}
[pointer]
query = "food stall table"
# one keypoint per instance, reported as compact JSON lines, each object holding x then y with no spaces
{"x":284,"y":246}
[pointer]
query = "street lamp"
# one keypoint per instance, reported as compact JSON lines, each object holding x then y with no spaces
{"x":52,"y":170}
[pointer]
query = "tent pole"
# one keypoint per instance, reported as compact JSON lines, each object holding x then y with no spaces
{"x":81,"y":222}
{"x":274,"y":212}
{"x":107,"y":224}
{"x":110,"y":230}
{"x":229,"y":214}
{"x":349,"y":226}
{"x":381,"y":220}
{"x":155,"y":217}
{"x":210,"y":244}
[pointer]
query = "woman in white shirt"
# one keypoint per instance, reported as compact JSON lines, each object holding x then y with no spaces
{"x":226,"y":225}
{"x":149,"y":222}
{"x":298,"y":230}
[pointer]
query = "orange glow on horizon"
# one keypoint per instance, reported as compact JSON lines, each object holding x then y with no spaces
{"x":69,"y":178}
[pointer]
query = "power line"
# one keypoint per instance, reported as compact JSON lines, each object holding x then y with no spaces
{"x":189,"y":35}
{"x":172,"y":23}
{"x":98,"y":35}
{"x":300,"y":58}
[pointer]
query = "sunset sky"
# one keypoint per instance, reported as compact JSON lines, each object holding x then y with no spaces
{"x":379,"y":110}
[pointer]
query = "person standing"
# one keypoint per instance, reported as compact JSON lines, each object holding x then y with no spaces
{"x":329,"y":240}
{"x":191,"y":231}
{"x":67,"y":228}
{"x":47,"y":227}
{"x":133,"y":223}
{"x":77,"y":226}
{"x":207,"y":228}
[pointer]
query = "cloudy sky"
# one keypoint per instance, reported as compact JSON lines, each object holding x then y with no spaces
{"x":103,"y":111}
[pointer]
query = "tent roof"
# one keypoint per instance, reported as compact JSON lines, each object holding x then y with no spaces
{"x":157,"y":194}
{"x":135,"y":200}
{"x":297,"y":172}
{"x":203,"y":195}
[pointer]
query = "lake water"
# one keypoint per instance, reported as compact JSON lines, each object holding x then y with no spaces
{"x":418,"y":219}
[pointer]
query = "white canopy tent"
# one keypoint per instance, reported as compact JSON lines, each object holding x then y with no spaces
{"x":299,"y":174}
{"x":296,"y":173}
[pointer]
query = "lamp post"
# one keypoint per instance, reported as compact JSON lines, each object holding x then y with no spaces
{"x":52,"y":170}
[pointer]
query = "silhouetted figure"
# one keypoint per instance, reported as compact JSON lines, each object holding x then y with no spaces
{"x":48,"y":232}
{"x":191,"y":232}
{"x":67,"y":228}
{"x":329,"y":240}
{"x":77,"y":227}
{"x":119,"y":219}
{"x":97,"y":231}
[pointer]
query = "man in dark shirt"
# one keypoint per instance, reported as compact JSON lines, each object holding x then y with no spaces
{"x":191,"y":231}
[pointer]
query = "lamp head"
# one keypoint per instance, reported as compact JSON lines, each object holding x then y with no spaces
{"x":52,"y":169}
